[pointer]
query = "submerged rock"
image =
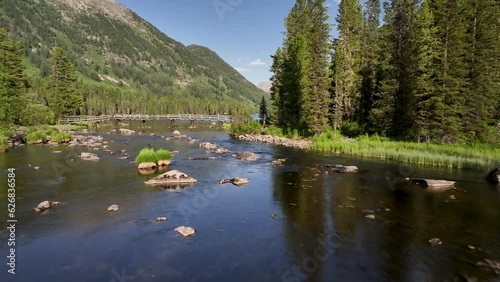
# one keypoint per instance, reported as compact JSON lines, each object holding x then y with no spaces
{"x":185,"y":231}
{"x":435,"y":241}
{"x":203,"y":159}
{"x":235,"y":181}
{"x":208,"y":146}
{"x":126,"y":131}
{"x":45,"y":205}
{"x":89,"y":156}
{"x":494,"y":176}
{"x":342,"y":168}
{"x":432,"y":184}
{"x":113,"y":208}
{"x":221,"y":151}
{"x":246,"y":156}
{"x":493,"y":265}
{"x":278,"y":161}
{"x":171,"y":177}
{"x":161,"y":218}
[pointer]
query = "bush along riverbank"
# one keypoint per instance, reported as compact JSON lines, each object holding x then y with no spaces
{"x":460,"y":156}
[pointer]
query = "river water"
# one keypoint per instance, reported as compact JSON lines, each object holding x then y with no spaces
{"x":296,"y":222}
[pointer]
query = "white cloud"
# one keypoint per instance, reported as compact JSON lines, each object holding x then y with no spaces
{"x":257,"y":62}
{"x":242,"y":70}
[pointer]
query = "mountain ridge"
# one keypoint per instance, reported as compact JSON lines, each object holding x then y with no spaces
{"x":111,"y":45}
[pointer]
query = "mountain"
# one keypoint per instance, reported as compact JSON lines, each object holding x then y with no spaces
{"x":110,"y":45}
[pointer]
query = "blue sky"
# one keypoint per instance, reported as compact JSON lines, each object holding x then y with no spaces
{"x":245,"y":33}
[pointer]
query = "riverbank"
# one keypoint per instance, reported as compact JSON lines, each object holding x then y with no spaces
{"x":477,"y":157}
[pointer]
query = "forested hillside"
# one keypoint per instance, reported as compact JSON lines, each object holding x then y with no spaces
{"x":429,"y":72}
{"x":123,"y":63}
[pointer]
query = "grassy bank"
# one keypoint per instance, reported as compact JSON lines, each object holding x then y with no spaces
{"x":477,"y":156}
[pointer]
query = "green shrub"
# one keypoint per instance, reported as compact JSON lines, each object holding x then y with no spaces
{"x":163,"y":154}
{"x":147,"y":156}
{"x":247,"y":127}
{"x":351,"y":129}
{"x":3,"y":143}
{"x":36,"y":114}
{"x":35,"y":136}
{"x":61,"y":137}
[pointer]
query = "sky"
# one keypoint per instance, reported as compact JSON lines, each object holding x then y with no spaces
{"x":245,"y":33}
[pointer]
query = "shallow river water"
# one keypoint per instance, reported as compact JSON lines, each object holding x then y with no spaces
{"x":296,"y":222}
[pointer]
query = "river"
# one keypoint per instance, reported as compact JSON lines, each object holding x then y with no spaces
{"x":296,"y":222}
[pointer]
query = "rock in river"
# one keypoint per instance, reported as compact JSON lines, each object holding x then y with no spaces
{"x":126,"y":131}
{"x":494,"y":176}
{"x":89,"y":156}
{"x":164,"y":162}
{"x":113,"y":208}
{"x":146,"y":166}
{"x":45,"y":205}
{"x":246,"y":156}
{"x":342,"y":168}
{"x":236,"y":181}
{"x":432,"y":184}
{"x":208,"y":146}
{"x":171,"y":177}
{"x":185,"y":231}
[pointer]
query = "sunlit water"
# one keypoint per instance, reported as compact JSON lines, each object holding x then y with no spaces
{"x":295,"y":222}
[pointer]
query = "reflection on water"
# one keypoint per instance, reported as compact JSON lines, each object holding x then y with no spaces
{"x":296,"y":222}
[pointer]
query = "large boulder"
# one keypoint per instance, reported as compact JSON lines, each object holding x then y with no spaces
{"x":171,"y":178}
{"x":89,"y":156}
{"x":494,"y":176}
{"x":185,"y":231}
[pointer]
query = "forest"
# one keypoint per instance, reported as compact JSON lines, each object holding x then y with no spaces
{"x":428,"y":72}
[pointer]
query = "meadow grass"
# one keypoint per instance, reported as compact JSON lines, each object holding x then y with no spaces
{"x":163,"y":154}
{"x":146,"y":156}
{"x":462,"y":156}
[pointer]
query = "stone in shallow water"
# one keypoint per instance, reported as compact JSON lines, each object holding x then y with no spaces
{"x":45,"y":205}
{"x":89,"y":156}
{"x":236,"y":181}
{"x":434,"y":185}
{"x":171,"y":177}
{"x":185,"y":231}
{"x":494,"y":176}
{"x":435,"y":241}
{"x":113,"y":208}
{"x":161,"y":218}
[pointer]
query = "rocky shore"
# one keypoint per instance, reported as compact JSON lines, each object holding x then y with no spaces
{"x":281,"y":141}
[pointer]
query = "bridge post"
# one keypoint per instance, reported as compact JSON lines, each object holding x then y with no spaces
{"x":117,"y":125}
{"x":191,"y":123}
{"x":172,"y":123}
{"x":143,"y":123}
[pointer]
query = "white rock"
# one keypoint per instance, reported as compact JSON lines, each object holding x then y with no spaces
{"x":185,"y":231}
{"x":113,"y":208}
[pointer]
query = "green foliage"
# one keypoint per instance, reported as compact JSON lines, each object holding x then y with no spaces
{"x":163,"y":155}
{"x":60,"y":137}
{"x":36,"y":114}
{"x":4,"y":145}
{"x":351,"y":129}
{"x":147,"y":155}
{"x":36,"y":136}
{"x":249,"y":126}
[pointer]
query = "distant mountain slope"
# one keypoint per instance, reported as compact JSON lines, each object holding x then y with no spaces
{"x":110,"y":44}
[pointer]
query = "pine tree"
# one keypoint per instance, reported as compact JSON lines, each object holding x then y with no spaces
{"x":429,"y":107}
{"x":64,"y":98}
{"x":348,"y":59}
{"x":263,"y":110}
{"x":276,"y":86}
{"x":316,"y":96}
{"x":382,"y":113}
{"x":482,"y":18}
{"x":369,"y":61}
{"x":13,"y":82}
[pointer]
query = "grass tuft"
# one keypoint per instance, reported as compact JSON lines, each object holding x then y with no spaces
{"x":35,"y":136}
{"x":146,"y":156}
{"x":4,"y":145}
{"x":163,"y":154}
{"x":61,"y":137}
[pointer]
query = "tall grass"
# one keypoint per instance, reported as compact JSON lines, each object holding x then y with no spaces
{"x":163,"y":154}
{"x":477,"y":156}
{"x":146,"y":156}
{"x":35,"y":136}
{"x":61,"y":137}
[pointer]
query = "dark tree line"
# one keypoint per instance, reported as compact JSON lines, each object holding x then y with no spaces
{"x":429,"y":72}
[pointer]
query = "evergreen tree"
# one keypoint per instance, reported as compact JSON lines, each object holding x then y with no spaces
{"x":316,"y":97}
{"x":263,"y":110}
{"x":276,"y":86}
{"x":64,"y":97}
{"x":347,"y":60}
{"x":13,"y":82}
{"x":429,"y":107}
{"x":369,"y":61}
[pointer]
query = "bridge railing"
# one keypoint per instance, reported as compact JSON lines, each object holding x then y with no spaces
{"x":185,"y":117}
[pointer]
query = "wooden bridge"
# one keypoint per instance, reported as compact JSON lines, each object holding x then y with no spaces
{"x":144,"y":118}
